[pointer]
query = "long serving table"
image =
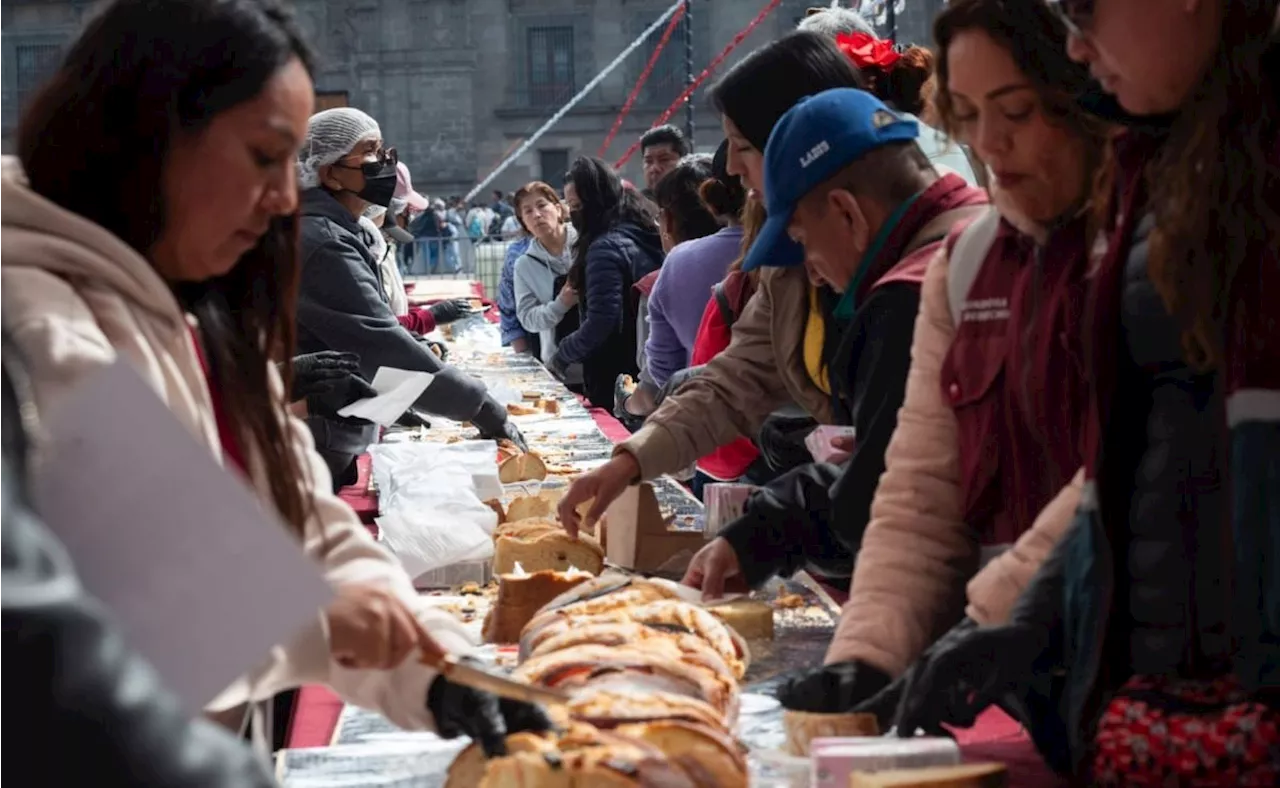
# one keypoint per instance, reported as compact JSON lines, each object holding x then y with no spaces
{"x":333,"y":746}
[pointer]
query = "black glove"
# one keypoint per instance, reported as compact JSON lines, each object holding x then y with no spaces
{"x":486,"y":718}
{"x":493,"y":422}
{"x":315,"y":372}
{"x":831,"y":689}
{"x":958,"y":677}
{"x":337,"y":394}
{"x":558,"y":366}
{"x":439,"y":348}
{"x":677,"y":380}
{"x":412,"y":418}
{"x":448,"y":311}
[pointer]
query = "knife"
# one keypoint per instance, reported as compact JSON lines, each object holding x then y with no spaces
{"x":460,"y":672}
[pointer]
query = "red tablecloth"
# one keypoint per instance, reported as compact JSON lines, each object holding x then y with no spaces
{"x":995,"y":737}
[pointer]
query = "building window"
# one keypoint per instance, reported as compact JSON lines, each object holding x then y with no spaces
{"x":553,"y":164}
{"x":32,"y":63}
{"x":328,"y":99}
{"x":550,"y":52}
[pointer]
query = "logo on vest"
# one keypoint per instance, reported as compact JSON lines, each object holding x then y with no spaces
{"x":815,"y":153}
{"x":984,"y":310}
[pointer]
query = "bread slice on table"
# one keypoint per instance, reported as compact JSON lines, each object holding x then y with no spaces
{"x":969,"y":775}
{"x":750,"y":618}
{"x":543,"y":504}
{"x":547,"y":549}
{"x":522,"y":468}
{"x":802,"y":727}
{"x":520,"y":597}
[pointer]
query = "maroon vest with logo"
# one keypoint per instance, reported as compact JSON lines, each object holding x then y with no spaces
{"x":1014,"y":375}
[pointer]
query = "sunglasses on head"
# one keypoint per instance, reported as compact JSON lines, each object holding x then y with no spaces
{"x":1077,"y":14}
{"x":373,"y":168}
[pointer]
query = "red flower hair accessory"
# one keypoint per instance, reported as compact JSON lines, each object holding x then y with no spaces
{"x":866,"y":51}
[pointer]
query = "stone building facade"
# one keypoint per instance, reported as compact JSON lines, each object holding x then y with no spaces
{"x":457,"y":85}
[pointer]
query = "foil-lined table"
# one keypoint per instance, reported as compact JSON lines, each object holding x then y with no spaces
{"x":367,"y":750}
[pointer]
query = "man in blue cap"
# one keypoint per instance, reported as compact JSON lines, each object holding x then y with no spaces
{"x":855,"y":214}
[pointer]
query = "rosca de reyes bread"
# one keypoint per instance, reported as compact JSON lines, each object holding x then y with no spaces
{"x":671,"y":617}
{"x":705,"y":754}
{"x":541,"y":505}
{"x":609,"y":592}
{"x":537,"y":549}
{"x":520,"y":597}
{"x":524,"y":467}
{"x":677,"y":672}
{"x":609,"y":708}
{"x":969,"y":775}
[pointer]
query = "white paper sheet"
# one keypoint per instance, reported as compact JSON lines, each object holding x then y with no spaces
{"x":201,"y":578}
{"x":397,"y":390}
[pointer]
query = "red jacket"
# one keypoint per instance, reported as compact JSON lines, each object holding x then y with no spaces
{"x":714,"y":334}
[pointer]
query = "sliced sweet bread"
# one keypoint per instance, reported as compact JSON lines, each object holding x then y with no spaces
{"x":709,"y":756}
{"x":543,"y":550}
{"x":968,"y":775}
{"x":522,"y":468}
{"x":520,"y":597}
{"x":541,"y":505}
{"x":609,"y":708}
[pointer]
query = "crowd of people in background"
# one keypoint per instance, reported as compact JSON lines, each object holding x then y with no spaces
{"x":1030,"y":270}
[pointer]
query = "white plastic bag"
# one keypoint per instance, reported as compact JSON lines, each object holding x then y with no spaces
{"x":406,"y":465}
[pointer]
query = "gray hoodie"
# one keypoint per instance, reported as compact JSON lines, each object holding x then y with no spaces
{"x":537,"y":306}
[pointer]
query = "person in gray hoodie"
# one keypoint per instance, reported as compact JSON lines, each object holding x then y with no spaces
{"x":545,"y":300}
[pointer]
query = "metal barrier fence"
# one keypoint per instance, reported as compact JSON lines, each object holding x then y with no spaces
{"x":456,"y":258}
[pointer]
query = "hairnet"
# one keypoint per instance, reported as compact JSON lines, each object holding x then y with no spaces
{"x":332,"y":134}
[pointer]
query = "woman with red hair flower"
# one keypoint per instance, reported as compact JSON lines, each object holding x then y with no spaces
{"x":900,"y":76}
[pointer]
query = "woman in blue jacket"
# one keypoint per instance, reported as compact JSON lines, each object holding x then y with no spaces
{"x":618,"y":243}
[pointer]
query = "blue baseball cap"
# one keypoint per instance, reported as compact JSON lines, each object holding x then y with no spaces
{"x":815,"y":140}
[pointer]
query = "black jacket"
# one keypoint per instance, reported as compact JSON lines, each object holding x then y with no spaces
{"x":813,"y":516}
{"x":82,"y":707}
{"x":605,"y":342}
{"x":342,"y":306}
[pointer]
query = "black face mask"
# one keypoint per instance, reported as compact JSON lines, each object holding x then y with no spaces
{"x":379,"y":189}
{"x":576,"y":218}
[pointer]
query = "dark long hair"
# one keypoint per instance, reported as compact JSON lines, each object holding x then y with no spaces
{"x":677,"y":196}
{"x":1036,"y":37}
{"x":606,"y":203}
{"x":95,"y":141}
{"x":1214,"y":188}
{"x":771,"y":80}
{"x":722,"y":193}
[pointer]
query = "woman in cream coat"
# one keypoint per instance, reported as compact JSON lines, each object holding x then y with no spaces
{"x":151,"y":216}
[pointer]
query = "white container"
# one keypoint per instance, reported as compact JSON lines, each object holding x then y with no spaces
{"x":833,"y":760}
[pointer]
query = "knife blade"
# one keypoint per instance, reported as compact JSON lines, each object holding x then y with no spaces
{"x":470,"y":676}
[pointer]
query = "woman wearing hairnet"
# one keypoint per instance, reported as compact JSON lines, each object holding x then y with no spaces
{"x":342,"y":305}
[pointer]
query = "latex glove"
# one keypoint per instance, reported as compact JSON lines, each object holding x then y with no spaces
{"x":486,"y":718}
{"x":412,"y":418}
{"x":959,"y":676}
{"x":601,"y":486}
{"x":337,"y":394}
{"x":494,"y":423}
{"x":450,"y":311}
{"x":677,"y":380}
{"x":835,"y":688}
{"x":714,"y":569}
{"x":372,"y":628}
{"x":313,"y":372}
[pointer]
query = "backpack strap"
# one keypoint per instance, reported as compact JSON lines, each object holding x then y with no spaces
{"x":967,"y":257}
{"x":722,"y":303}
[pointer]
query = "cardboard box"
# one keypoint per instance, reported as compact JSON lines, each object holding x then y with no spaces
{"x":640,"y":539}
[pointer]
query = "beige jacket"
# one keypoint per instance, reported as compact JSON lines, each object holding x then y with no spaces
{"x":917,"y":550}
{"x":760,"y":371}
{"x":76,"y":298}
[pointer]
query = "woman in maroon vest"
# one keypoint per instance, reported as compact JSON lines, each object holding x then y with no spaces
{"x":1147,"y":650}
{"x":986,"y":443}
